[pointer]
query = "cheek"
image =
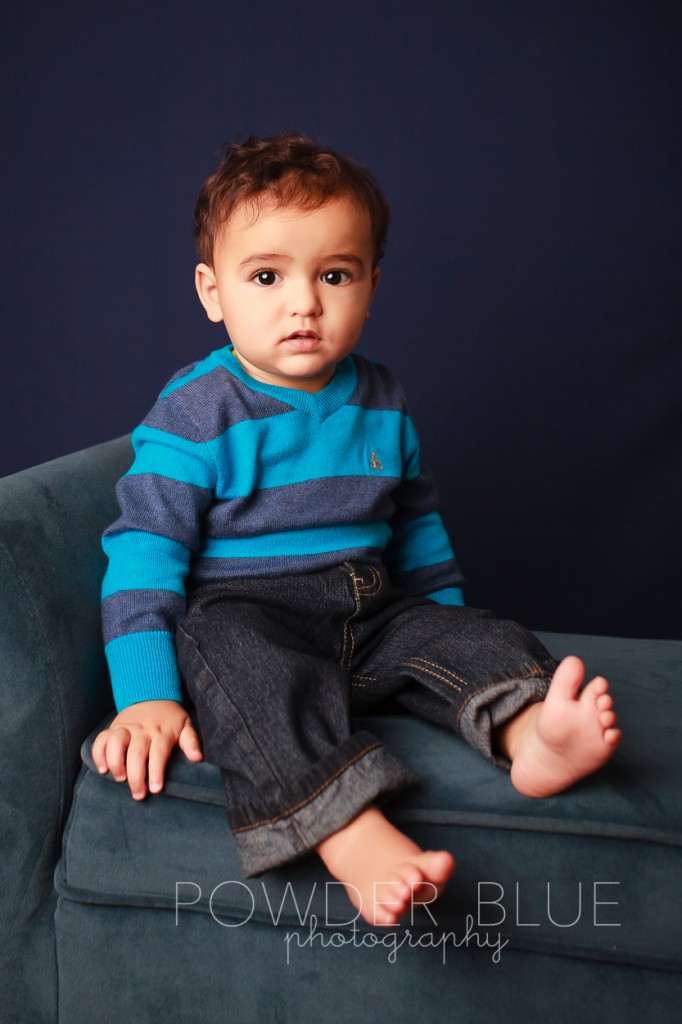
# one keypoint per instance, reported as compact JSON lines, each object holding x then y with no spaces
{"x":245,"y":313}
{"x":351,"y":312}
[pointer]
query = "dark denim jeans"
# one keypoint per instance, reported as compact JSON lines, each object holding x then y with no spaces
{"x":275,"y":666}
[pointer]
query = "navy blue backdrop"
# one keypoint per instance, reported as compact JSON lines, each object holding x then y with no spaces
{"x":531,"y":290}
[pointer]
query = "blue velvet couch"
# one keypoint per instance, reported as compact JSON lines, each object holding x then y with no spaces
{"x":562,"y":909}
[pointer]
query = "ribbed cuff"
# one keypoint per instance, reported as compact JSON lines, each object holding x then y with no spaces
{"x":143,"y":666}
{"x":448,"y":595}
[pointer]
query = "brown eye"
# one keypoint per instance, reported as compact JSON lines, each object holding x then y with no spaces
{"x":336,"y":277}
{"x":265,"y":277}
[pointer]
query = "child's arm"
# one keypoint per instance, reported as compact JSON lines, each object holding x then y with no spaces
{"x":163,"y":499}
{"x":419,"y":556}
{"x":139,"y":741}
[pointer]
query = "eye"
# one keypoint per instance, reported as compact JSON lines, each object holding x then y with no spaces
{"x":336,"y":277}
{"x":266,"y":278}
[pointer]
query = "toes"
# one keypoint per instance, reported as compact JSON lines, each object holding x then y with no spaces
{"x":604,"y":702}
{"x":413,"y":885}
{"x":383,"y":917}
{"x":411,"y":874}
{"x":391,"y":899}
{"x":567,"y":679}
{"x":607,"y":719}
{"x":613,"y":737}
{"x":440,"y":866}
{"x":596,"y":689}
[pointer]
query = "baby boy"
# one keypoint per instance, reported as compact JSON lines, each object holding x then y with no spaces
{"x":280,"y":564}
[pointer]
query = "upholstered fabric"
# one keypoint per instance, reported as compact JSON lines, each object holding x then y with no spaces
{"x":620,"y":830}
{"x":53,"y":690}
{"x":119,"y":949}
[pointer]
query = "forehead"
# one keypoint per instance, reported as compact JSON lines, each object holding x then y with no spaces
{"x":340,"y":224}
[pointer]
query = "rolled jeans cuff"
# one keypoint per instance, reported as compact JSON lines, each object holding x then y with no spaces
{"x":494,"y":706}
{"x":367,"y":775}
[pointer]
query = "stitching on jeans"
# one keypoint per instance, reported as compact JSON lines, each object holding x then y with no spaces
{"x":348,"y":629}
{"x":441,"y":668}
{"x":358,"y":592}
{"x":436,"y":675}
{"x":537,"y":671}
{"x":370,"y":679}
{"x":372,"y":588}
{"x":226,"y":697}
{"x":348,"y":635}
{"x":516,"y":679}
{"x":320,"y":789}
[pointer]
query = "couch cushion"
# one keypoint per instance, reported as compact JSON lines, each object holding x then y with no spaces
{"x":594,"y":872}
{"x":52,"y":690}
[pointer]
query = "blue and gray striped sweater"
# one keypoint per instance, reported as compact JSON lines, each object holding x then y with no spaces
{"x":232,"y":477}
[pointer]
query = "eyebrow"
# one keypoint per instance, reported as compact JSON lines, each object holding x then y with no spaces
{"x":272,"y":257}
{"x":263,"y":257}
{"x":346,"y":257}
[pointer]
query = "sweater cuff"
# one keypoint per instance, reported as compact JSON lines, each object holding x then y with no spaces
{"x":449,"y":595}
{"x":143,"y":666}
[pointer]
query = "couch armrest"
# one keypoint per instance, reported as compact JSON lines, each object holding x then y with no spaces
{"x":53,"y":681}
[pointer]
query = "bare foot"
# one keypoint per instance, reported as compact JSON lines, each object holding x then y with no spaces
{"x":384,"y":872}
{"x":569,"y":735}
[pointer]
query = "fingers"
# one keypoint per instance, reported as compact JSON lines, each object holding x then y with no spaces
{"x":108,"y":752}
{"x":159,"y":752}
{"x":189,"y":743}
{"x":98,"y":752}
{"x":133,"y":754}
{"x":124,"y":753}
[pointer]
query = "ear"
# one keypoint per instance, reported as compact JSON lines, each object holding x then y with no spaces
{"x":207,"y":290}
{"x":376,"y":274}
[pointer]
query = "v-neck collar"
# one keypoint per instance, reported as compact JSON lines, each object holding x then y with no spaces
{"x":319,"y":405}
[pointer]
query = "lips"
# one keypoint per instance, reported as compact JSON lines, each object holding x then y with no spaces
{"x":301,"y":334}
{"x":303,"y":341}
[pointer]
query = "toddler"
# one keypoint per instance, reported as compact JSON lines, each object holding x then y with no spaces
{"x":280,"y":563}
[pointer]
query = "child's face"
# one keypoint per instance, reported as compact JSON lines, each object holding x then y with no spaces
{"x":293,"y":288}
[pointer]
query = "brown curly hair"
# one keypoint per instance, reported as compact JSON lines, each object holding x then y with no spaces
{"x":287,"y":170}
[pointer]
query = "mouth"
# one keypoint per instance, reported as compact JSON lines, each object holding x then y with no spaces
{"x":303,"y":341}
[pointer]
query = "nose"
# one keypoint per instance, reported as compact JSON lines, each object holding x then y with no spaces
{"x":304,"y":300}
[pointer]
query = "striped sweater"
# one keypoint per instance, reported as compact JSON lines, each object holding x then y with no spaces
{"x":233,"y":477}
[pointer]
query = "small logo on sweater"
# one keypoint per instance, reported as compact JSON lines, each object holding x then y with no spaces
{"x":374,"y":461}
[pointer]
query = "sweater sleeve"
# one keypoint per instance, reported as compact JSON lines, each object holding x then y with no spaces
{"x":419,"y":556}
{"x":163,"y":499}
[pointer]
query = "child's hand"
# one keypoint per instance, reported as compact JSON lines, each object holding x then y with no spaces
{"x":142,"y":734}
